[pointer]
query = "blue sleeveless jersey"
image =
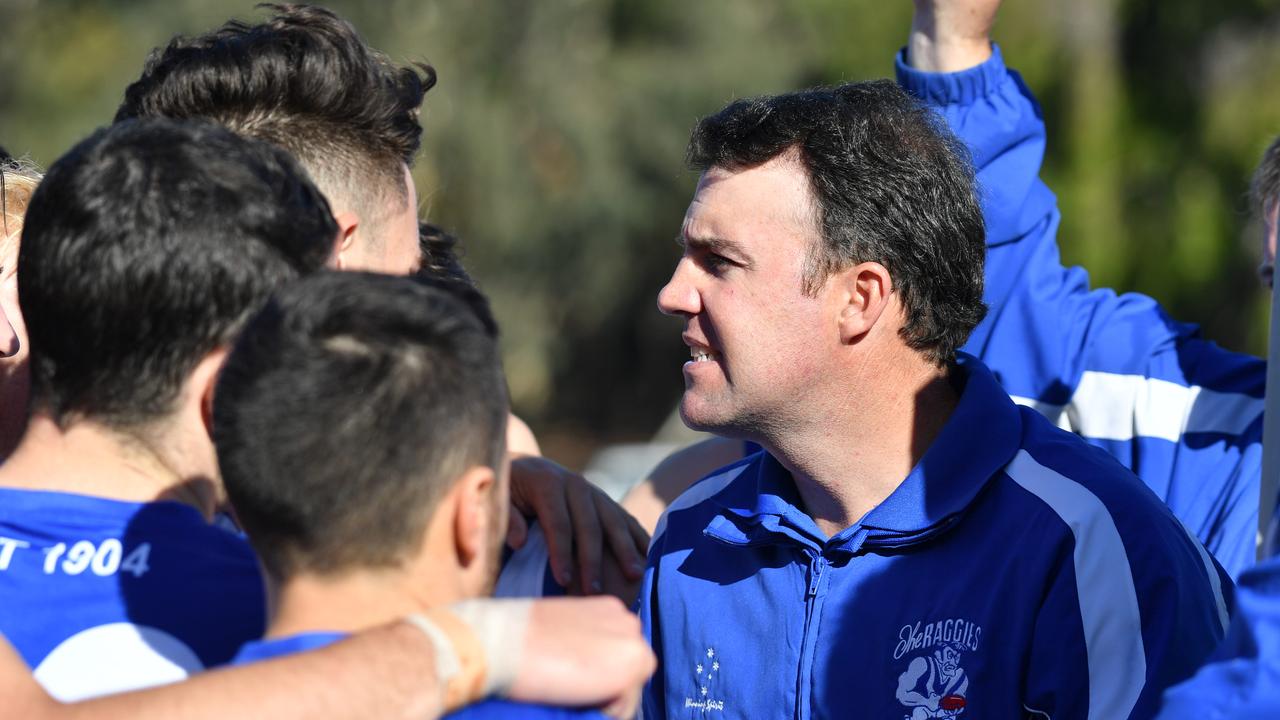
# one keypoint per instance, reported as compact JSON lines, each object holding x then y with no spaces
{"x":101,"y":596}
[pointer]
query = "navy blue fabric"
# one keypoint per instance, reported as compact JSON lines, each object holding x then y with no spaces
{"x":1192,"y":429}
{"x":486,"y":710}
{"x":192,"y":590}
{"x":959,"y":591}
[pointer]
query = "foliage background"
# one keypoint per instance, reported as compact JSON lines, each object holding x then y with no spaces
{"x":554,"y":147}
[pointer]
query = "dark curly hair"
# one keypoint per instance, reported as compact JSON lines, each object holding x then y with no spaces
{"x":891,"y":185}
{"x":306,"y":81}
{"x":439,"y":263}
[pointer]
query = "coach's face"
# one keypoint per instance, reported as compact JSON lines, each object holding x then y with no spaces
{"x":759,"y":345}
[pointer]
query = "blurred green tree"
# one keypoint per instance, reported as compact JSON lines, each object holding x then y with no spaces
{"x":555,"y":140}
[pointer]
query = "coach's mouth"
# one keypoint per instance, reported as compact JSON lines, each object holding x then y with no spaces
{"x":700,"y":353}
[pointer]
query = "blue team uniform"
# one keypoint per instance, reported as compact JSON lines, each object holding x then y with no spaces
{"x":101,"y":596}
{"x":1243,"y":681}
{"x":487,"y":710}
{"x":1016,"y":570}
{"x":1182,"y":413}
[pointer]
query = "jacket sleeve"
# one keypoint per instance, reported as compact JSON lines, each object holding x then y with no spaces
{"x":1243,"y":680}
{"x":1176,"y":409}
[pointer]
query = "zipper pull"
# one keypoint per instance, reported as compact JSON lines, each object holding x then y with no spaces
{"x":815,"y":573}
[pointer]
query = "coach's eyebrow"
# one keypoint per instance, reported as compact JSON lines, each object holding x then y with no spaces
{"x":727,"y":248}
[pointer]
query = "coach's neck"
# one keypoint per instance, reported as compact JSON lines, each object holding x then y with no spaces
{"x":884,"y":406}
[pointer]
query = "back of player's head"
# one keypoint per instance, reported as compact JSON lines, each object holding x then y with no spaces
{"x":305,"y":80}
{"x":890,"y":183}
{"x":349,"y":407}
{"x":145,"y":248}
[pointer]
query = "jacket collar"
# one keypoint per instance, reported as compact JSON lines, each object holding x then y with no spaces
{"x":981,"y":437}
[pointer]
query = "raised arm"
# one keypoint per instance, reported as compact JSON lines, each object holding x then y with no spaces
{"x":1179,"y":411}
{"x":951,"y":36}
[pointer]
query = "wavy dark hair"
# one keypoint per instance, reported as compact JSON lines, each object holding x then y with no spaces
{"x":439,"y":263}
{"x":306,"y":81}
{"x":891,"y":185}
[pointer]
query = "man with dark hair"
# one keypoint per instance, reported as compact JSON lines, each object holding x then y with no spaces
{"x":306,"y":80}
{"x":833,"y":264}
{"x":407,"y":371}
{"x":1182,"y":413}
{"x":144,"y":250}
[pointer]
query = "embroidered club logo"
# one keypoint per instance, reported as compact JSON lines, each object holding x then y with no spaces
{"x":934,"y":683}
{"x":706,"y":671}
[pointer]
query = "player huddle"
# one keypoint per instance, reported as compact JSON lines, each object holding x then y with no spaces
{"x":267,"y":419}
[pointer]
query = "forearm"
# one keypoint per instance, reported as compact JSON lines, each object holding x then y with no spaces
{"x":386,"y":672}
{"x":949,"y":37}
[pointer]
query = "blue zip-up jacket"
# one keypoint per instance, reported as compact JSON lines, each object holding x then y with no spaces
{"x":1016,"y":570}
{"x":1243,"y":681}
{"x":1182,"y":413}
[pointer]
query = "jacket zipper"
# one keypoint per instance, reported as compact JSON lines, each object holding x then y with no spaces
{"x":815,"y":596}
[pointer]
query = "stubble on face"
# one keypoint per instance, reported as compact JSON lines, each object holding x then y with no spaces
{"x":741,"y":287}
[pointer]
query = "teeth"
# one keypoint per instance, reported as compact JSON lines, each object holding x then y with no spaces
{"x":700,"y":355}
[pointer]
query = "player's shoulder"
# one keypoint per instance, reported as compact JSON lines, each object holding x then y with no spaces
{"x":508,"y":710}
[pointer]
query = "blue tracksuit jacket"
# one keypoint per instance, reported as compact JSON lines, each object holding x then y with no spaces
{"x":1243,"y":681}
{"x":1015,"y":571}
{"x":1182,"y":413}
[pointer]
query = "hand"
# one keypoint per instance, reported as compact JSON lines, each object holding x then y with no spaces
{"x":577,"y":519}
{"x":584,"y":652}
{"x":951,"y":35}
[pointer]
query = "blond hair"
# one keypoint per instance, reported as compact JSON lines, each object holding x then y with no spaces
{"x":18,"y":180}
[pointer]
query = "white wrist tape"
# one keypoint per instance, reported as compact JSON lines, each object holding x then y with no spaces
{"x":501,"y":627}
{"x":478,"y":646}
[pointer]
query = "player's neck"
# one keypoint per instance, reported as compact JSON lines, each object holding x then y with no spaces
{"x":89,"y":458}
{"x":352,"y":601}
{"x":857,"y":450}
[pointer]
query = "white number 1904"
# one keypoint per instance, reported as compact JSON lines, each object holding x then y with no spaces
{"x":105,"y":559}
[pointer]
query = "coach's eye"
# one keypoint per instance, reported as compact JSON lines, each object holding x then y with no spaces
{"x":716,"y":263}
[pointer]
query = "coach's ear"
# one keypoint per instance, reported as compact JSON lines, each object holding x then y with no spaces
{"x":344,"y":246}
{"x":202,"y":383}
{"x":862,"y":292}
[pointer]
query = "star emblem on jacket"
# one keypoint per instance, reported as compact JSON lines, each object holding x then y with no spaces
{"x":704,"y":677}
